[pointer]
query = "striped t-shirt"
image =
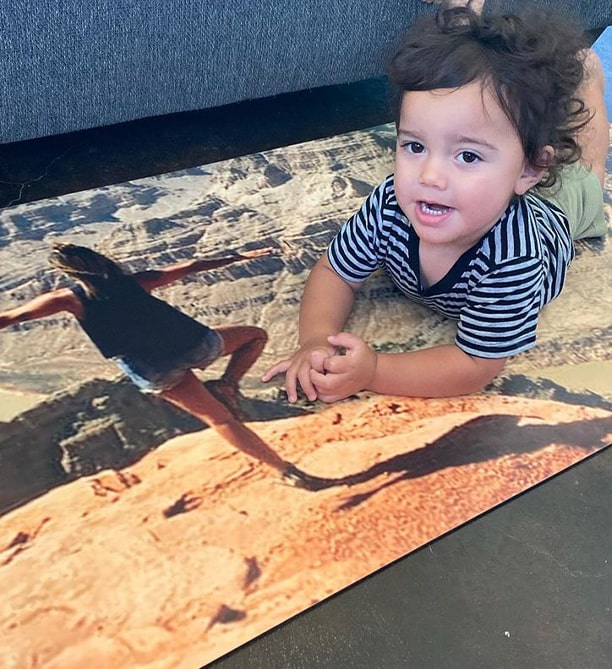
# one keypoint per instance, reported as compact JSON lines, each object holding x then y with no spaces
{"x":495,"y":290}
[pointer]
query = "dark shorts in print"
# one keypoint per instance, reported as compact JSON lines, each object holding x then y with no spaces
{"x":156,"y":379}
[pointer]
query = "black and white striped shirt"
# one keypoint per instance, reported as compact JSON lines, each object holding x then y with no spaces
{"x":495,"y":290}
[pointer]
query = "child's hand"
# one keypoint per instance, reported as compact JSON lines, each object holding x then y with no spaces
{"x":344,"y":375}
{"x":298,"y":367}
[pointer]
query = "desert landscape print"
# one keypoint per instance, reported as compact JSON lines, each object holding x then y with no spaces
{"x":133,"y":536}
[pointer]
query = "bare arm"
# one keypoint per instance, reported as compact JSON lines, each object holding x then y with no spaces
{"x":47,"y":304}
{"x":439,"y":371}
{"x":326,"y":303}
{"x":325,"y":306}
{"x":155,"y":278}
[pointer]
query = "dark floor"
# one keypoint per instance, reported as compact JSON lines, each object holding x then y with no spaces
{"x":32,"y":170}
{"x":526,"y":585}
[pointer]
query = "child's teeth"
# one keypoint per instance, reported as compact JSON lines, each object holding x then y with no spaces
{"x":433,"y":208}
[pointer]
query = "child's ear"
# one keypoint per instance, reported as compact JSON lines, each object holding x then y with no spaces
{"x":532,"y":174}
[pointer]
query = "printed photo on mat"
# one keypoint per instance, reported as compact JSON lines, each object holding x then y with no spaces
{"x":133,"y":535}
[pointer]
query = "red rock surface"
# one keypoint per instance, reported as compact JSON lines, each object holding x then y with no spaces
{"x":197,"y":549}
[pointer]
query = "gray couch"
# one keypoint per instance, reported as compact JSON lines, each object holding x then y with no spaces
{"x":68,"y":65}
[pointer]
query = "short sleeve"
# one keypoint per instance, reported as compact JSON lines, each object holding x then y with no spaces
{"x":354,"y":253}
{"x":500,"y":316}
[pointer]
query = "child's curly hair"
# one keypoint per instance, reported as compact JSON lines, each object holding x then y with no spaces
{"x":533,"y":66}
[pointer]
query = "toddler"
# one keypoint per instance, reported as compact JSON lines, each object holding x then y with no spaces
{"x":502,"y":137}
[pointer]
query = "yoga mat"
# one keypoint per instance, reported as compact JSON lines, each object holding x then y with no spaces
{"x":132,"y":537}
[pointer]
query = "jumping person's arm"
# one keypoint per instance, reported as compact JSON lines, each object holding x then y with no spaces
{"x":325,"y":306}
{"x":47,"y":304}
{"x":155,"y":278}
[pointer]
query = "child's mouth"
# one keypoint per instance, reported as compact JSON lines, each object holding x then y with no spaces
{"x":432,"y":209}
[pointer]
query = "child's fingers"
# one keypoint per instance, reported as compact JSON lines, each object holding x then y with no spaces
{"x":297,"y":372}
{"x":327,"y":383}
{"x":326,"y":386}
{"x":317,"y":360}
{"x":278,"y":368}
{"x":345,"y":340}
{"x":290,"y":371}
{"x":299,"y":375}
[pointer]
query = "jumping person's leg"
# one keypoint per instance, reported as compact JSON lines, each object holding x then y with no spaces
{"x":191,"y":396}
{"x":244,"y":343}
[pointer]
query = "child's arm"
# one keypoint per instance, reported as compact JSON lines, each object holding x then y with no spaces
{"x":325,"y":306}
{"x":48,"y":304}
{"x":155,"y":278}
{"x":440,"y":371}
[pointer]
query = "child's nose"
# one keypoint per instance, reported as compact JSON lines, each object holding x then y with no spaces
{"x":433,"y":173}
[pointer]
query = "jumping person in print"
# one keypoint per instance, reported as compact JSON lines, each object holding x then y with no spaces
{"x":156,"y":345}
{"x":502,"y":138}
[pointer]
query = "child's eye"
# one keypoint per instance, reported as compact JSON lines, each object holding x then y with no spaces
{"x":414,"y":147}
{"x":468,"y":157}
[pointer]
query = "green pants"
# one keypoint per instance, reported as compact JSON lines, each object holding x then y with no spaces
{"x":579,"y":195}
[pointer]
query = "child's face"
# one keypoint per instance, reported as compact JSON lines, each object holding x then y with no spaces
{"x":458,"y":163}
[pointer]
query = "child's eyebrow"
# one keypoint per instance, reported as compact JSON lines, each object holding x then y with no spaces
{"x":457,"y":139}
{"x":463,"y":139}
{"x":402,"y":132}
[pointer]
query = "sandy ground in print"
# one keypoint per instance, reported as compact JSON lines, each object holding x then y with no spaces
{"x":182,"y":557}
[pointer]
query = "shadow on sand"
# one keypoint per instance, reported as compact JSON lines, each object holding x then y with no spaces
{"x":480,"y":439}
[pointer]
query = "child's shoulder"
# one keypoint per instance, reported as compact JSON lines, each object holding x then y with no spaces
{"x":530,"y":229}
{"x":382,"y":197}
